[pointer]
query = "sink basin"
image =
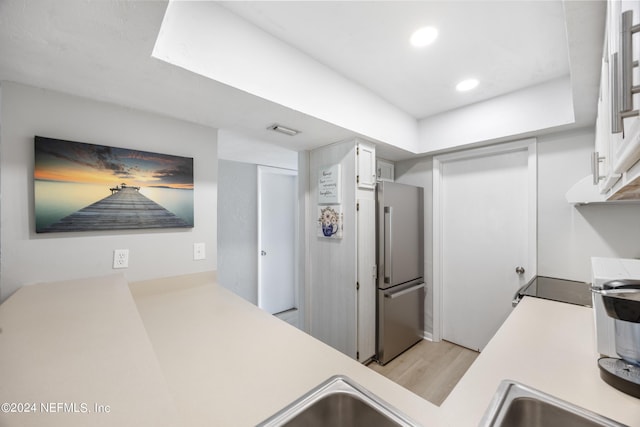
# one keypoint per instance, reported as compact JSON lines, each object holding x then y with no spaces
{"x":339,"y":402}
{"x":518,"y":405}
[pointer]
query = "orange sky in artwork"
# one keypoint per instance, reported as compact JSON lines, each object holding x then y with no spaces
{"x":102,"y":177}
{"x":182,"y":186}
{"x":65,"y":161}
{"x":75,"y":175}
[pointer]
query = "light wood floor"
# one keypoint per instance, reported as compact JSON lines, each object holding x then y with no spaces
{"x":429,"y":369}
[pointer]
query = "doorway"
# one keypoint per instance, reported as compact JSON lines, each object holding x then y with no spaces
{"x":484,"y":219}
{"x":277,"y":237}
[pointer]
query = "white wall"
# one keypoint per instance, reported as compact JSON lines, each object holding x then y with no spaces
{"x":569,"y":236}
{"x":332,"y":262}
{"x":305,"y":222}
{"x":238,"y":228}
{"x":27,"y":257}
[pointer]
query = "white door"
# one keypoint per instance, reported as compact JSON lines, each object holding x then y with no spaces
{"x":276,"y":239}
{"x":366,"y":219}
{"x":486,"y":202}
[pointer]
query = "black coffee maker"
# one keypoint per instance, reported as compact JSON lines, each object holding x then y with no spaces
{"x":621,"y":300}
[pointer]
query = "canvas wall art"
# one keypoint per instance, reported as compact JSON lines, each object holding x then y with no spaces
{"x":330,"y":221}
{"x":329,"y":185}
{"x":84,"y":187}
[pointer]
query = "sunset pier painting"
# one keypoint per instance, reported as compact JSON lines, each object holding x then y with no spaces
{"x":74,"y":190}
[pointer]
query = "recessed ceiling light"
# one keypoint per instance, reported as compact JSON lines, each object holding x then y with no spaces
{"x":467,"y":84}
{"x":423,"y":36}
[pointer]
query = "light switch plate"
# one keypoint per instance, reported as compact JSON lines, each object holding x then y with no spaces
{"x":121,"y":258}
{"x":199,"y":251}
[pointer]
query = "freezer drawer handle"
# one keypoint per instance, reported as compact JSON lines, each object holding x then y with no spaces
{"x":388,"y":256}
{"x":406,"y":291}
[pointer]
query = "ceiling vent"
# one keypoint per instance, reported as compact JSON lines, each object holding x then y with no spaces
{"x":284,"y":130}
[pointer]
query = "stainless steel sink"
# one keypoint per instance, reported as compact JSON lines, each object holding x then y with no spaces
{"x":518,"y":405}
{"x":339,"y":402}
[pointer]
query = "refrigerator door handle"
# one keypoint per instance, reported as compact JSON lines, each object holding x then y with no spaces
{"x":404,"y":292}
{"x":388,"y":256}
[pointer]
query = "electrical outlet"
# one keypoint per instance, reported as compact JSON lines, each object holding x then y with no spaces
{"x":198,"y":251}
{"x":121,"y":258}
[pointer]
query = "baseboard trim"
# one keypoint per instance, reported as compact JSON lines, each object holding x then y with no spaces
{"x":427,"y":336}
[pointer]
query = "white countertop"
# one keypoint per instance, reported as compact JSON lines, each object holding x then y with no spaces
{"x":229,"y":363}
{"x":195,"y":354}
{"x":549,"y":346}
{"x":67,"y":346}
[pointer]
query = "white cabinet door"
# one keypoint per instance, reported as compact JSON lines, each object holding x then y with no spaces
{"x":366,"y":217}
{"x":625,"y":145}
{"x":385,"y":170}
{"x":366,"y":165}
{"x":603,"y":140}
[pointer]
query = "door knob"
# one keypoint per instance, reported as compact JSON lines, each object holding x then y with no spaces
{"x":263,"y":253}
{"x":520,"y":270}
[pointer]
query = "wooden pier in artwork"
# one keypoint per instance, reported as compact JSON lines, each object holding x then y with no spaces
{"x":125,"y":209}
{"x":120,"y":187}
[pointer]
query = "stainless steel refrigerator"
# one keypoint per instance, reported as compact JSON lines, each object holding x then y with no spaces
{"x":401,"y":288}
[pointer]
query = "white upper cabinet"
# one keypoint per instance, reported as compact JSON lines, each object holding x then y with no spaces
{"x":366,"y":164}
{"x":385,"y":170}
{"x":617,"y":142}
{"x":624,"y":19}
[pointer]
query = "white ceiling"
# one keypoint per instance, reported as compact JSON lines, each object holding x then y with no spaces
{"x":102,"y":50}
{"x":506,"y":45}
